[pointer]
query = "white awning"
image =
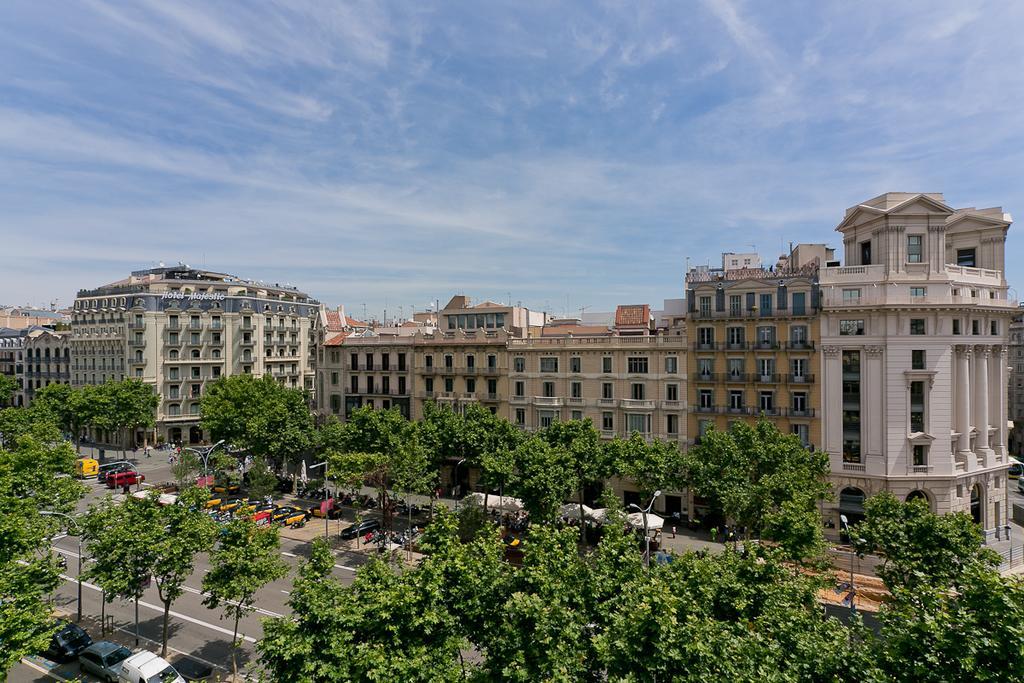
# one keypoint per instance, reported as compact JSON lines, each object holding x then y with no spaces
{"x":636,"y":520}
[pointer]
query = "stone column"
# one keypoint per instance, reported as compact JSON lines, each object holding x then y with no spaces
{"x":998,"y":409}
{"x":981,"y":354}
{"x":963,"y":392}
{"x":832,"y":401}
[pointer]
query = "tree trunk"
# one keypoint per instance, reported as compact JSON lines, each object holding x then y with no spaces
{"x":136,"y":620}
{"x":167,"y":618}
{"x":234,"y":649}
{"x":583,"y":527}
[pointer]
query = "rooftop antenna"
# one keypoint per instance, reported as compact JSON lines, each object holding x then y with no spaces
{"x":583,"y":309}
{"x":364,"y":311}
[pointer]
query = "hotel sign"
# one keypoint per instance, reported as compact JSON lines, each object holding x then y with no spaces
{"x":195,"y":296}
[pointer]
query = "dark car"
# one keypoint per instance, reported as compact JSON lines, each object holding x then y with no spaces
{"x":108,"y":468}
{"x":67,"y":643}
{"x":103,"y":660}
{"x":360,"y":529}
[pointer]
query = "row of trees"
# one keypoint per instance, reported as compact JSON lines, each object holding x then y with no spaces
{"x":117,"y":408}
{"x":464,"y":614}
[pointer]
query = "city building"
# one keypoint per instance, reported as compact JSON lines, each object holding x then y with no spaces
{"x":179,"y":328}
{"x":754,"y":342}
{"x":734,"y":261}
{"x":914,"y":333}
{"x":47,"y":360}
{"x":1015,"y":363}
{"x":20,"y":318}
{"x":12,"y":360}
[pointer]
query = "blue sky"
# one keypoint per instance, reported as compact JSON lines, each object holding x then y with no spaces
{"x":563,"y":154}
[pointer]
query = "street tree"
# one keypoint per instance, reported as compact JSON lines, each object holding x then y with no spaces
{"x":765,"y":481}
{"x":545,"y":476}
{"x":261,"y":480}
{"x":134,"y":404}
{"x":185,"y":531}
{"x":245,"y":560}
{"x":258,"y":415}
{"x":589,"y":459}
{"x":35,"y":476}
{"x":70,"y":407}
{"x":8,"y":387}
{"x":918,"y":546}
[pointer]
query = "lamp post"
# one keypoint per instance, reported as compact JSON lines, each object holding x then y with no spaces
{"x":327,"y":530}
{"x":455,"y":476}
{"x":78,"y":531}
{"x":845,"y":523}
{"x":647,"y":536}
{"x":204,"y":455}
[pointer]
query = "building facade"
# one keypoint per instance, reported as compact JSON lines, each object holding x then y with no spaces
{"x":179,"y":329}
{"x":12,"y":360}
{"x":1015,"y":389}
{"x":754,"y":346}
{"x":47,"y":360}
{"x":915,"y":327}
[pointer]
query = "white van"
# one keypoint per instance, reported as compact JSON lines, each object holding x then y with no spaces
{"x":147,"y":667}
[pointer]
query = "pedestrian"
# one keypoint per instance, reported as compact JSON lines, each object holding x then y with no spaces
{"x":714,"y":534}
{"x":673,"y":532}
{"x":148,"y":449}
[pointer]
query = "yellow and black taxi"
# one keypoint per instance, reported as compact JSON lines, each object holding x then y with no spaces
{"x":230,"y":505}
{"x":251,"y":507}
{"x":1016,"y":469}
{"x":333,"y":511}
{"x":226,"y":488}
{"x":288,"y":515}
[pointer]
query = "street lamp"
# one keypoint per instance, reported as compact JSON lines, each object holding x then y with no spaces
{"x":205,"y":455}
{"x":845,"y":524}
{"x":78,"y":531}
{"x":455,"y":476}
{"x":647,"y":536}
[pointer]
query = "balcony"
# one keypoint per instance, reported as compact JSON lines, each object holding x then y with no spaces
{"x":766,"y":345}
{"x":428,"y":370}
{"x":606,"y":402}
{"x":769,"y":412}
{"x":854,"y":467}
{"x":548,"y":401}
{"x":426,"y":394}
{"x":195,"y":326}
{"x":736,"y":346}
{"x":738,"y":410}
{"x":806,"y":412}
{"x":737,"y":378}
{"x":800,"y":345}
{"x":216,"y":342}
{"x":137,"y":343}
{"x":136,"y":325}
{"x":492,"y":397}
{"x":194,"y":342}
{"x":760,"y":378}
{"x":576,"y":401}
{"x":173,"y":326}
{"x":706,"y":409}
{"x":519,"y":400}
{"x":919,"y":469}
{"x":705,"y":377}
{"x":247,"y":342}
{"x":799,"y":379}
{"x":469,"y":396}
{"x":672,"y":405}
{"x":704,"y":346}
{"x":637,"y":404}
{"x":491,"y":371}
{"x":448,"y":370}
{"x":469,"y":370}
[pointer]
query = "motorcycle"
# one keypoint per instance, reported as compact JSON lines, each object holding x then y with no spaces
{"x":299,"y":524}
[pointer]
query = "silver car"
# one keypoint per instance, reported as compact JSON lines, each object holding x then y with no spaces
{"x":103,"y":660}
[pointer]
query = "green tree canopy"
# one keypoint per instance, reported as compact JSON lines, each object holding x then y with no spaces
{"x":8,"y":385}
{"x":545,"y":477}
{"x":765,"y":481}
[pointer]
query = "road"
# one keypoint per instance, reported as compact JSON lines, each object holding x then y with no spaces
{"x":194,"y":629}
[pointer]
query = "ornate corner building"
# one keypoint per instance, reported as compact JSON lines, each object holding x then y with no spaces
{"x":914,"y":334}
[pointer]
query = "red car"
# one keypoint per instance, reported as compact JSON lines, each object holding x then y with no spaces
{"x":122,"y":479}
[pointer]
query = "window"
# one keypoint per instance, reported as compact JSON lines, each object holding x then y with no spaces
{"x":173,"y":373}
{"x":803,"y":433}
{"x":174,"y":409}
{"x":956,"y":326}
{"x":369,"y":385}
{"x":637,"y":365}
{"x":966,"y":257}
{"x":449,"y":361}
{"x":735,"y":399}
{"x":920,"y":456}
{"x":428,"y":361}
{"x":470,"y":385}
{"x":449,"y":385}
{"x":736,"y":368}
{"x":575,"y":364}
{"x":401,"y":386}
{"x":706,"y":336}
{"x":546,"y":417}
{"x":798,"y":335}
{"x":914,"y":243}
{"x":851,"y":406}
{"x":195,"y":373}
{"x":173,"y":389}
{"x":799,"y":303}
{"x":671,"y":392}
{"x":766,"y":367}
{"x":798,"y":368}
{"x":707,"y":398}
{"x":766,"y":304}
{"x":369,"y":361}
{"x":576,"y":389}
{"x":216,"y":371}
{"x":917,"y":359}
{"x":735,"y":304}
{"x":428,"y":384}
{"x":577,"y":415}
{"x":851,"y":296}
{"x":608,"y":422}
{"x":766,"y":336}
{"x":638,"y":392}
{"x":520,"y":416}
{"x":671,"y":365}
{"x":385,"y":361}
{"x":799,"y":403}
{"x":672,"y":424}
{"x":735,"y":336}
{"x":766,"y":401}
{"x":916,"y":407}
{"x":549,"y":364}
{"x":492,"y":361}
{"x":638,"y":423}
{"x":704,"y":426}
{"x":918,"y":292}
{"x":548,"y":389}
{"x":334,"y":378}
{"x":520,"y":388}
{"x":975,"y":327}
{"x":354,"y":384}
{"x":705,"y":306}
{"x":851,"y":327}
{"x":994,"y":328}
{"x":917,"y":326}
{"x":470,"y":361}
{"x":519,"y":364}
{"x":606,"y":364}
{"x":705,"y":367}
{"x":606,"y":390}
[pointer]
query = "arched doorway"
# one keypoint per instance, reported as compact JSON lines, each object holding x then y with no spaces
{"x":918,"y":494}
{"x":174,"y":435}
{"x":195,"y":435}
{"x":976,"y":504}
{"x":851,"y":504}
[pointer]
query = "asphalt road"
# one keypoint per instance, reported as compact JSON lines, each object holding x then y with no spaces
{"x":194,"y":630}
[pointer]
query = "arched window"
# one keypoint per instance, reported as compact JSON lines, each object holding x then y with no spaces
{"x":195,"y":353}
{"x":918,"y":494}
{"x":977,"y":502}
{"x":174,"y":354}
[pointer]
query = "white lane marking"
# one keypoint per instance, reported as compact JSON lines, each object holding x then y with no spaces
{"x":32,"y":665}
{"x":341,"y":566}
{"x":265,"y":612}
{"x":69,"y":553}
{"x":285,"y":592}
{"x":288,"y":554}
{"x":160,"y":609}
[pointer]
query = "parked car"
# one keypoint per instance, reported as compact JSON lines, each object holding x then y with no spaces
{"x":103,"y":660}
{"x":288,"y":515}
{"x":128,"y":478}
{"x":67,"y":642}
{"x":87,"y":468}
{"x":334,"y":512}
{"x":1020,"y":485}
{"x":360,"y":529}
{"x":230,"y":505}
{"x":1016,"y":469}
{"x":147,"y":667}
{"x":226,"y":488}
{"x":109,"y":468}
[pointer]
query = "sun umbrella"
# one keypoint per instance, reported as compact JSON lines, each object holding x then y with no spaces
{"x":302,"y":477}
{"x":572,"y":511}
{"x":598,"y":516}
{"x":636,"y":520}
